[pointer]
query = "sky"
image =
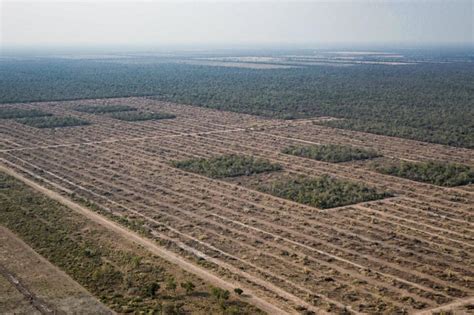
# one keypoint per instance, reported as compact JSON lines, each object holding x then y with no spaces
{"x":226,"y":22}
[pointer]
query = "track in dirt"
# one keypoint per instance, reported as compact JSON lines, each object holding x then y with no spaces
{"x":407,"y":253}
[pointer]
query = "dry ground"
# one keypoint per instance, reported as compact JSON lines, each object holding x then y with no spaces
{"x":30,"y":284}
{"x":408,"y":253}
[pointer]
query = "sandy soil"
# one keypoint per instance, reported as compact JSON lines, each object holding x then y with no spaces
{"x":36,"y":286}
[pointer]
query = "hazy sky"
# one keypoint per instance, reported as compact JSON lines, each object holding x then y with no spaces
{"x":161,"y":23}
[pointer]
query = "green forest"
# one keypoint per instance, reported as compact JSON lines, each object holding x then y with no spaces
{"x":322,"y":192}
{"x":333,"y":153}
{"x":227,"y":166}
{"x":431,"y":102}
{"x":436,"y":173}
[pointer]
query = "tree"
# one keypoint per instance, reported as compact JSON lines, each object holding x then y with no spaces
{"x":239,"y":291}
{"x":152,"y":289}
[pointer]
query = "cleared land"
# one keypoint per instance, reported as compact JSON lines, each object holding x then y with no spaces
{"x":31,"y":285}
{"x":118,"y":266}
{"x":407,"y":253}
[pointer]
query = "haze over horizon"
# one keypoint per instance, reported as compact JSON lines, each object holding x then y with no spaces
{"x":221,"y":23}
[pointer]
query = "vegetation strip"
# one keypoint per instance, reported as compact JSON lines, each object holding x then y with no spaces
{"x":436,"y":173}
{"x":227,"y":166}
{"x":53,"y":122}
{"x":101,"y":109}
{"x":331,"y":153}
{"x":140,"y":116}
{"x":322,"y":192}
{"x":9,"y":113}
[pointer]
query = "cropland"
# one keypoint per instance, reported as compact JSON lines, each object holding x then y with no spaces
{"x":305,"y":230}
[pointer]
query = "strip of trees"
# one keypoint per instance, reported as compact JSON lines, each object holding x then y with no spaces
{"x":436,"y":173}
{"x":331,"y":153}
{"x":227,"y":166}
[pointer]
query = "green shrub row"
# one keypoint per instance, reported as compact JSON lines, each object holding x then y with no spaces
{"x":436,"y":173}
{"x":322,"y":192}
{"x":331,"y":153}
{"x":140,"y":116}
{"x":53,"y":121}
{"x":227,"y":166}
{"x":100,"y":109}
{"x":9,"y":113}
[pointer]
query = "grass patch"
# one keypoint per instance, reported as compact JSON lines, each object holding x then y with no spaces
{"x":436,"y":173}
{"x":53,"y":122}
{"x":322,"y":192}
{"x":9,"y":113}
{"x":227,"y":166}
{"x":101,"y":109}
{"x":331,"y":153}
{"x":140,"y":116}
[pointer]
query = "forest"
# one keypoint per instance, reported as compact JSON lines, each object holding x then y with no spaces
{"x":331,"y":153}
{"x":428,"y":101}
{"x":436,"y":173}
{"x":322,"y":192}
{"x":227,"y":166}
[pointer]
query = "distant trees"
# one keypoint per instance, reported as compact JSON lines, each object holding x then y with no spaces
{"x":427,"y":101}
{"x":100,"y":109}
{"x":11,"y":112}
{"x":227,"y":166}
{"x":140,"y":116}
{"x":53,"y":121}
{"x":436,"y":173}
{"x":331,"y":152}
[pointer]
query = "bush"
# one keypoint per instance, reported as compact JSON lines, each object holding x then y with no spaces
{"x":322,"y":192}
{"x":100,"y":109}
{"x":188,"y":286}
{"x":227,"y":166}
{"x":9,"y":113}
{"x":140,"y":116}
{"x":436,"y":173}
{"x":53,"y":122}
{"x":238,"y":291}
{"x":331,"y":153}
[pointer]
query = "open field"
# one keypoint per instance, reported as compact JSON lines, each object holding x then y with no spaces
{"x":403,"y":254}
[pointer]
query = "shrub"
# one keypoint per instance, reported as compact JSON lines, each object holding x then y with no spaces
{"x":53,"y":122}
{"x":100,"y":109}
{"x":9,"y":113}
{"x":152,"y":288}
{"x":436,"y":173}
{"x":188,"y":286}
{"x":331,"y":153}
{"x":227,"y":166}
{"x":140,"y":116}
{"x":322,"y":192}
{"x":238,"y":291}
